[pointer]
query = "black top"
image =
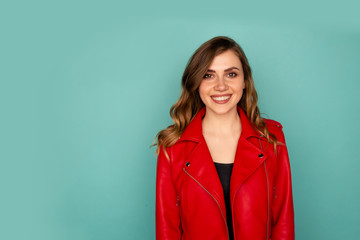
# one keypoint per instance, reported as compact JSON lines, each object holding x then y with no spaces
{"x":224,"y":171}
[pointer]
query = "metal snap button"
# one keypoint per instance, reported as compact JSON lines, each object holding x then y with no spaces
{"x":187,"y":164}
{"x":261,"y":155}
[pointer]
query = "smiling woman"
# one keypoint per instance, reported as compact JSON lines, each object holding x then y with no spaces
{"x":223,"y":171}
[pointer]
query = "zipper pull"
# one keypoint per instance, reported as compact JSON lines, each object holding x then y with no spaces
{"x":177,"y":200}
{"x":274,"y":192}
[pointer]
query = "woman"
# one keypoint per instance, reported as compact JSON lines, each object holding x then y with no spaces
{"x":223,"y":171}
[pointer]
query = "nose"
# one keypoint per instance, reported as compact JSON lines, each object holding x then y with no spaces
{"x":221,"y":84}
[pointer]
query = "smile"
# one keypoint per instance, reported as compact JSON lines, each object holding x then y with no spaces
{"x":221,"y":99}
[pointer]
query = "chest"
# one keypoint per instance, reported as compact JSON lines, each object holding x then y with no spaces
{"x":222,"y":149}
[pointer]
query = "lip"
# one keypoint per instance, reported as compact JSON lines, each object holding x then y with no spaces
{"x":221,"y":95}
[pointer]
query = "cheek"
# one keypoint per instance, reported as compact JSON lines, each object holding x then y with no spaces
{"x":240,"y":86}
{"x":203,"y":89}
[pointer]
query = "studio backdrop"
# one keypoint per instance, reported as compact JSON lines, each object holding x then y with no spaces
{"x":86,"y":85}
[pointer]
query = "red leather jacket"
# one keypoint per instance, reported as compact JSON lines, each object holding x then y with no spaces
{"x":189,"y":196}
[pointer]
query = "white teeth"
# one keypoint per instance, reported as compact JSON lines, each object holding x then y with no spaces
{"x":221,"y":98}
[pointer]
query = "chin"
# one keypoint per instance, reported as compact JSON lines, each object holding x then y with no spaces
{"x":221,"y":110}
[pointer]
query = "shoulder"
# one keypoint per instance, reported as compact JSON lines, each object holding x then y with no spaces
{"x":272,"y":123}
{"x":275,"y":128}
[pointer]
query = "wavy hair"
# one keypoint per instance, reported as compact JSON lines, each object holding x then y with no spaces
{"x":189,"y":103}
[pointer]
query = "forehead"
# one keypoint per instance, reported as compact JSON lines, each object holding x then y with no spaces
{"x":225,"y":60}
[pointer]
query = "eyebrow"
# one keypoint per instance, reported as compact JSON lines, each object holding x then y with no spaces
{"x":226,"y":70}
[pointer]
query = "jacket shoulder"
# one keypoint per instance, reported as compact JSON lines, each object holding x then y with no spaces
{"x":272,"y":123}
{"x":275,"y":128}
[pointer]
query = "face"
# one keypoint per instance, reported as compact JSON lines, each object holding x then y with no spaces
{"x":222,"y":86}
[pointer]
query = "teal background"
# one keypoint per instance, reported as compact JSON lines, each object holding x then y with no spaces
{"x":86,"y":85}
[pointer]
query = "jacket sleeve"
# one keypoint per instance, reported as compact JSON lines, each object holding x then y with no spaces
{"x":167,"y":211}
{"x":283,"y":210}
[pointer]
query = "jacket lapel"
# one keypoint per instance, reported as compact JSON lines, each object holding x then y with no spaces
{"x":202,"y":168}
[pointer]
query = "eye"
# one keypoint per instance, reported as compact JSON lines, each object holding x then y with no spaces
{"x":207,"y":75}
{"x":232,"y":74}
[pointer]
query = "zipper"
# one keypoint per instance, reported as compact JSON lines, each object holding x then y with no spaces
{"x":180,"y":227}
{"x":215,"y":201}
{"x":274,"y":192}
{"x":268,"y":197}
{"x":267,"y":184}
{"x":177,"y":200}
{"x":232,"y":211}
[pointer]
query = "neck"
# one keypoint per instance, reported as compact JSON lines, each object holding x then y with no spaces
{"x":224,"y":124}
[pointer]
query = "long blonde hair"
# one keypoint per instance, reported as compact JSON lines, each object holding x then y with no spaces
{"x":189,"y":103}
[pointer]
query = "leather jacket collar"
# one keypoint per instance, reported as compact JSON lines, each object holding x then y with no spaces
{"x":193,"y":131}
